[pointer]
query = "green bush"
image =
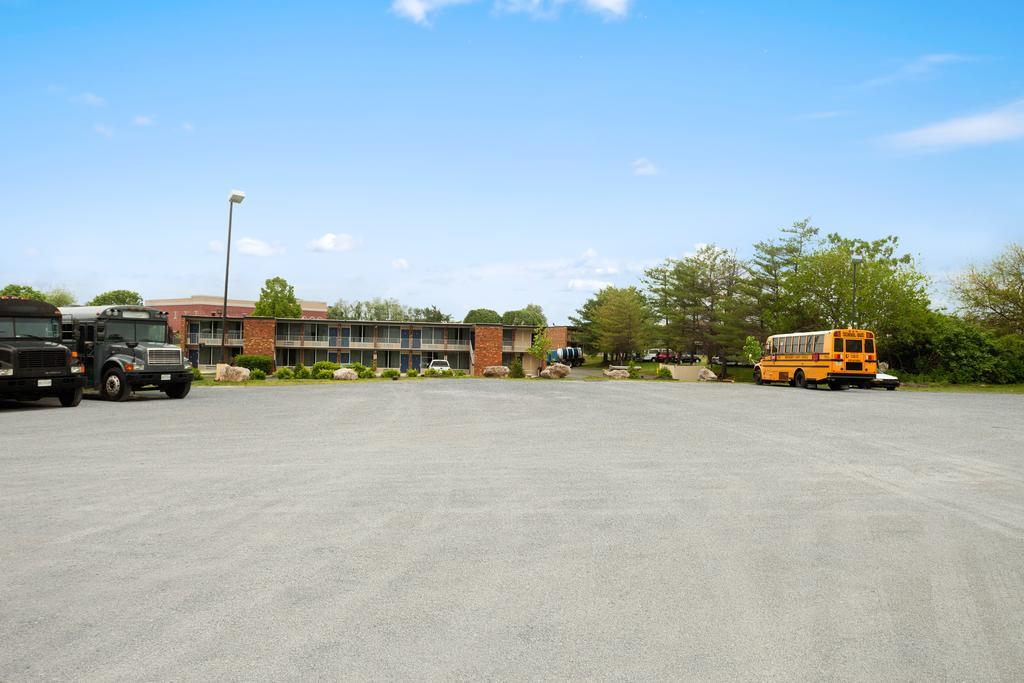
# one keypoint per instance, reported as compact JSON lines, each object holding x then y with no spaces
{"x":302,"y":372}
{"x":366,"y":373}
{"x":256,"y":373}
{"x":634,"y":370}
{"x":1010,"y":362}
{"x":323,"y":373}
{"x":412,"y":372}
{"x":447,"y":373}
{"x":196,"y":375}
{"x":264,"y":363}
{"x":284,"y":373}
{"x":460,"y":373}
{"x":358,"y":367}
{"x":515,"y":370}
{"x":391,"y":373}
{"x":664,"y":373}
{"x":316,"y":367}
{"x":430,"y":372}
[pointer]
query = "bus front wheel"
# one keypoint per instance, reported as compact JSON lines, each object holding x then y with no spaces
{"x":114,"y":387}
{"x":178,"y":390}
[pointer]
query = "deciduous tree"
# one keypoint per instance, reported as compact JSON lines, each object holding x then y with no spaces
{"x":277,"y":300}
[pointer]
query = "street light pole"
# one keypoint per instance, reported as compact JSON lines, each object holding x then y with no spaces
{"x":235,"y":197}
{"x":853,"y":314}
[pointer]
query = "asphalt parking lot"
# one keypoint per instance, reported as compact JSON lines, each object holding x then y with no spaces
{"x":489,"y":529}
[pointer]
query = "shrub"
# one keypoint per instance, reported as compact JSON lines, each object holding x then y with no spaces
{"x":264,"y":363}
{"x":256,"y":373}
{"x":430,"y":372}
{"x":196,"y":375}
{"x":391,"y":373}
{"x":460,"y":373}
{"x":664,"y":373}
{"x":515,"y":370}
{"x":358,"y":367}
{"x":412,"y":372}
{"x":284,"y":373}
{"x":323,"y":373}
{"x":302,"y":372}
{"x":316,"y":367}
{"x":447,"y":373}
{"x":634,"y":370}
{"x":366,"y":373}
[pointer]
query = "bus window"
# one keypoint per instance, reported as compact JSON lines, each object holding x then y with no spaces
{"x":787,"y":344}
{"x":837,"y":345}
{"x":853,"y":346}
{"x":869,"y":346}
{"x":805,"y":344}
{"x":819,"y":343}
{"x":775,"y":345}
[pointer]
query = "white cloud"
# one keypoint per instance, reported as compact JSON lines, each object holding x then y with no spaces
{"x":187,"y":127}
{"x":998,"y":125}
{"x":606,"y":270}
{"x":333,"y":242}
{"x":644,"y":166}
{"x":920,"y":67}
{"x":104,"y":130}
{"x":400,"y":264}
{"x":141,"y":120}
{"x":255,"y":247}
{"x":609,"y":8}
{"x":216,"y":246}
{"x":89,"y":99}
{"x":585,"y":285}
{"x":419,"y":11}
{"x":589,"y":253}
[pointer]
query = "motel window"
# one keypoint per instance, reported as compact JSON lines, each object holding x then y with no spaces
{"x":389,"y":334}
{"x":362,"y":333}
{"x":508,"y":337}
{"x":433,"y":335}
{"x":458,"y":335}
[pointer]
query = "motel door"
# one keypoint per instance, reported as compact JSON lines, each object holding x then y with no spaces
{"x":332,"y":337}
{"x":193,"y":357}
{"x":416,"y":361}
{"x":405,"y":360}
{"x":405,"y":344}
{"x":417,"y":336}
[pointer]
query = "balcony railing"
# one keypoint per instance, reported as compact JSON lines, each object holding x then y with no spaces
{"x":288,"y":340}
{"x":215,"y":338}
{"x":316,"y":342}
{"x":361,"y":343}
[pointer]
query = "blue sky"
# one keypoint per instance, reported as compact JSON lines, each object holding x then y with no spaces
{"x":493,"y":152}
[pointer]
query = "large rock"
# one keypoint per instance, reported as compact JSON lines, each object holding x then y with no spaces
{"x":615,"y":373}
{"x":346,"y":373}
{"x":496,"y":371}
{"x":706,"y":375}
{"x":231,"y":373}
{"x":557,"y":370}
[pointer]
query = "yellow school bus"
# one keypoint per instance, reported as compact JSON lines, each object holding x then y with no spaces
{"x":837,"y":358}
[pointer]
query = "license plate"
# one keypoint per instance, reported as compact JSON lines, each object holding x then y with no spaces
{"x":164,"y":378}
{"x":44,"y":383}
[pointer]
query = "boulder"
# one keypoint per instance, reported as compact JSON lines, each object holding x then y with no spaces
{"x":496,"y":371}
{"x":346,"y":373}
{"x":218,"y":374}
{"x":546,"y":373}
{"x":706,"y":375}
{"x":615,"y":373}
{"x":558,"y":370}
{"x":233,"y":374}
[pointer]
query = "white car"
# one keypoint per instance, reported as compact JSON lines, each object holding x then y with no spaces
{"x":650,"y":355}
{"x":439,"y":365}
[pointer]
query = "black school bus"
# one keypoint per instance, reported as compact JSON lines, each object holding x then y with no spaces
{"x":33,"y":362}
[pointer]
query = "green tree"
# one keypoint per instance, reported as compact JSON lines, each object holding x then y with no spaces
{"x":483,"y":316}
{"x":60,"y":296}
{"x":541,"y":346}
{"x":752,"y":350}
{"x":277,"y":300}
{"x":993,"y":295}
{"x":117,"y":297}
{"x":585,"y":322}
{"x":532,"y":315}
{"x":623,"y":321}
{"x":22,"y":292}
{"x":429,"y":314}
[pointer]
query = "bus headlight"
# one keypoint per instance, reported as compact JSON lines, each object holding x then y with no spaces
{"x":77,"y":369}
{"x":6,"y":372}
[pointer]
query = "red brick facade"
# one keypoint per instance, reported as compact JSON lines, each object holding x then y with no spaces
{"x":487,"y":350}
{"x":177,"y":309}
{"x":559,"y":337}
{"x":258,"y":336}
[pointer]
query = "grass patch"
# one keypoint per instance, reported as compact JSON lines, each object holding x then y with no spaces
{"x":965,"y":388}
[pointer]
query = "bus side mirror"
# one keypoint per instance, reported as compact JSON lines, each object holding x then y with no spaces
{"x":89,"y":346}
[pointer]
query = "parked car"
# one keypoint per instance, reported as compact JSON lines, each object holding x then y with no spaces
{"x":689,"y":358}
{"x":650,"y":355}
{"x":667,"y":356}
{"x":439,"y":365}
{"x":889,"y":382}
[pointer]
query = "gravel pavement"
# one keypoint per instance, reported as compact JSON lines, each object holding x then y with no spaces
{"x":496,"y":529}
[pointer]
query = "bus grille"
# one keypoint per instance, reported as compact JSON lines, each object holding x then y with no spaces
{"x":165,"y":356}
{"x":854,"y":366}
{"x":49,"y":358}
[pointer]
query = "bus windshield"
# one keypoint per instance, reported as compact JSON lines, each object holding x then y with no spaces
{"x":124,"y":330}
{"x":15,"y":328}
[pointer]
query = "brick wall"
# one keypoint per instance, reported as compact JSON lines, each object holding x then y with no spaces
{"x":487,"y":350}
{"x":176,"y":312}
{"x":559,"y":337}
{"x":258,"y":336}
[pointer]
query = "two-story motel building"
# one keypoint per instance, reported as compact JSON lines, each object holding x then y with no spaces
{"x":381,"y":344}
